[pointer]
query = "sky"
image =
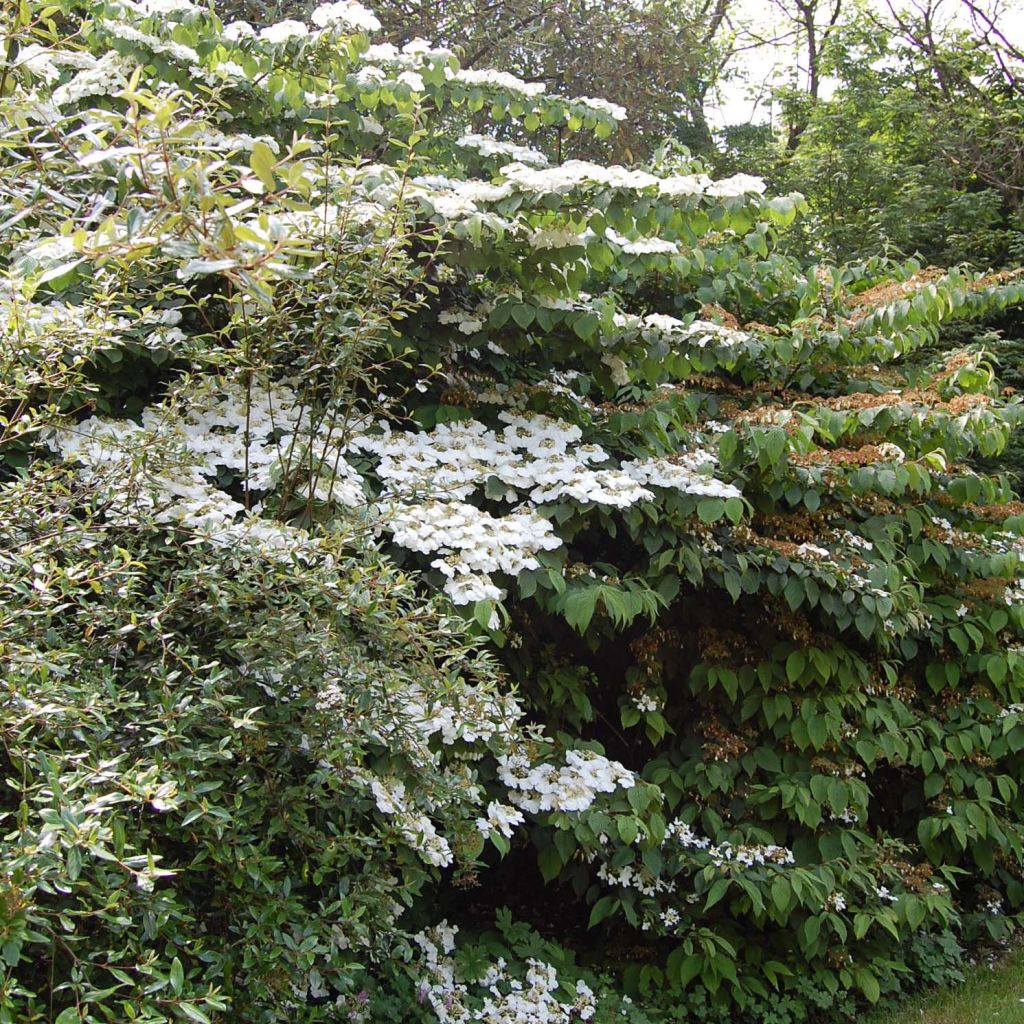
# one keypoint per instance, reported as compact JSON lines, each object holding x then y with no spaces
{"x":737,"y":102}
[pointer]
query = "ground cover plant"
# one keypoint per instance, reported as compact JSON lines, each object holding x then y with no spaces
{"x":992,"y":991}
{"x":405,"y":535}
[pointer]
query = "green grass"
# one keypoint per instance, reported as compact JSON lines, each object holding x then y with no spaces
{"x":986,"y":997}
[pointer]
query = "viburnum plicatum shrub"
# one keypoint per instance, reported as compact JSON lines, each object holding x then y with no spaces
{"x":273,"y":322}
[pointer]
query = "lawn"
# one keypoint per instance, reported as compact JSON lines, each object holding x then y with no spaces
{"x":988,"y":996}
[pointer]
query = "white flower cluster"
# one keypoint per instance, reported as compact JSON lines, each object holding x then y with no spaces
{"x":407,"y":718}
{"x":111,"y":456}
{"x":647,"y":703}
{"x":45,"y":62}
{"x":854,"y":540}
{"x":561,"y":236}
{"x":105,"y":76}
{"x":835,"y":902}
{"x":54,"y":330}
{"x":737,"y":185}
{"x":812,"y":551}
{"x":413,"y":825}
{"x":471,"y":543}
{"x":220,"y":416}
{"x":564,"y":236}
{"x":235,"y":31}
{"x":163,"y":470}
{"x":681,"y":473}
{"x":668,"y":329}
{"x":178,"y":52}
{"x":502,"y":998}
{"x":848,"y":816}
{"x":639,"y":878}
{"x":345,"y":14}
{"x":488,"y":147}
{"x":535,"y":454}
{"x":670,"y":918}
{"x":993,"y":906}
{"x":574,"y":174}
{"x":744,"y":855}
{"x":680,"y":832}
{"x":500,"y":818}
{"x":257,"y":433}
{"x":892,"y":452}
{"x":613,"y":110}
{"x":458,"y":201}
{"x":498,"y":80}
{"x":467,"y":322}
{"x":618,"y":370}
{"x":473,"y":715}
{"x":647,"y":246}
{"x":572,"y":787}
{"x":285,"y":31}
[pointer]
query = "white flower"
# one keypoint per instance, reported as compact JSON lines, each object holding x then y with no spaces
{"x":488,"y":147}
{"x":836,"y":902}
{"x":284,"y":31}
{"x":737,"y":185}
{"x":236,"y":30}
{"x":346,"y":14}
{"x":499,"y":80}
{"x":500,"y":818}
{"x":603,"y":106}
{"x":646,"y":703}
{"x":165,"y":7}
{"x":413,"y":80}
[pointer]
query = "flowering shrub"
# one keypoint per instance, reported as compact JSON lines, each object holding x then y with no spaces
{"x":271,"y":323}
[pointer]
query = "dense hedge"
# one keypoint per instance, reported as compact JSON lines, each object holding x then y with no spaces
{"x":272,"y":324}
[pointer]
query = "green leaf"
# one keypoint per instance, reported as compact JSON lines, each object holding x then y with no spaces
{"x":710,"y":509}
{"x":817,"y":732}
{"x":734,"y":510}
{"x":795,"y":665}
{"x":867,"y":983}
{"x":177,"y":976}
{"x":482,"y":612}
{"x":586,"y":326}
{"x":192,"y":1012}
{"x":716,"y":892}
{"x":578,"y":607}
{"x":604,"y":907}
{"x":728,"y":443}
{"x":523,"y":315}
{"x":627,"y":829}
{"x":914,"y":910}
{"x":690,"y":967}
{"x":549,"y":860}
{"x":782,"y":894}
{"x":262,"y":161}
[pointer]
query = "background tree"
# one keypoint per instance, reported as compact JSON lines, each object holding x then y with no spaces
{"x":915,"y":149}
{"x":657,"y":59}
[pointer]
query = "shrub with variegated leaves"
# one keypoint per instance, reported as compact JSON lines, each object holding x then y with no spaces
{"x":308,"y":394}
